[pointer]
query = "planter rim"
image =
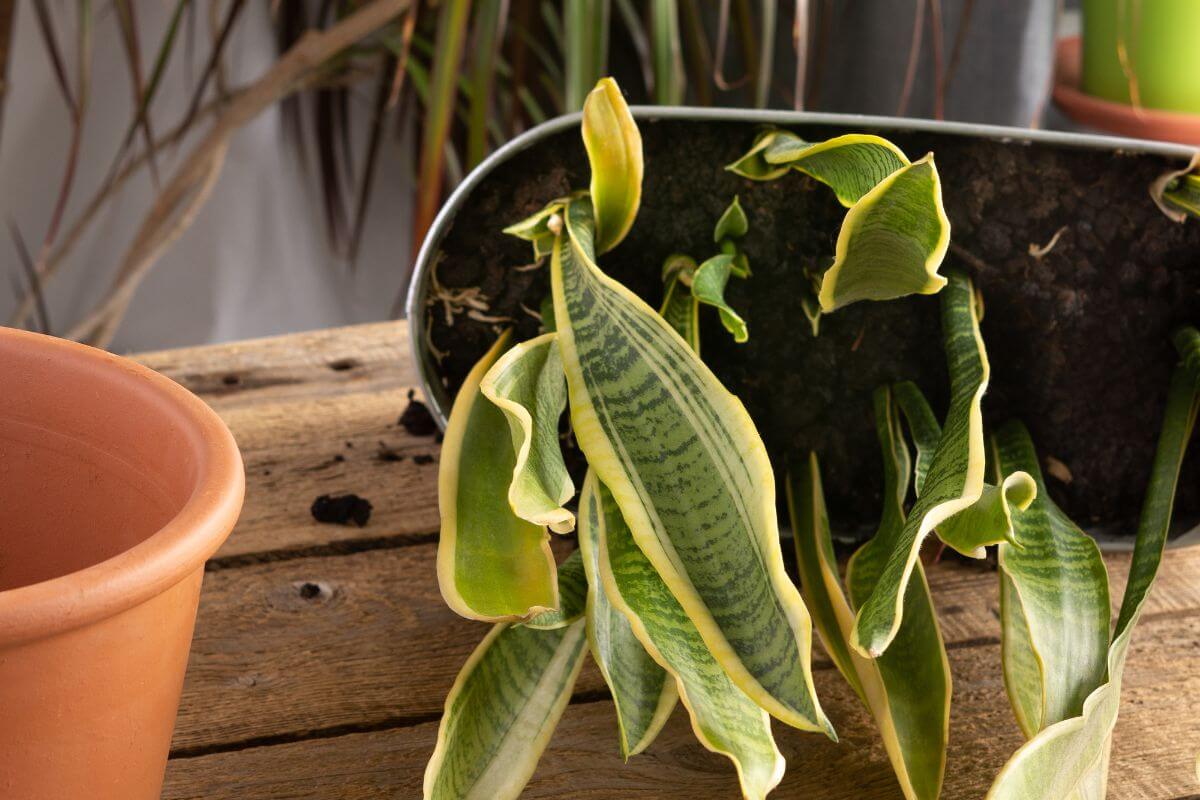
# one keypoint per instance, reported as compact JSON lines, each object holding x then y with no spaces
{"x":163,"y":559}
{"x":414,"y":307}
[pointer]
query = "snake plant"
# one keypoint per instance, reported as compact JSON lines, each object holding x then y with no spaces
{"x":678,"y":589}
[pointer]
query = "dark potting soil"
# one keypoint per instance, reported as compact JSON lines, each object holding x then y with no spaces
{"x":342,"y":509}
{"x":1077,"y":336}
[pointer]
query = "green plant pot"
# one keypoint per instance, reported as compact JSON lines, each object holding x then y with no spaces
{"x":1160,"y":38}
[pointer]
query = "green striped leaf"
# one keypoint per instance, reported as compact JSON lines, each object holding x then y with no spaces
{"x":614,"y":148}
{"x":1069,"y":759}
{"x":528,"y":386}
{"x":954,"y":481}
{"x":724,"y":719}
{"x":503,"y":708}
{"x":1184,"y":195}
{"x":907,"y":689}
{"x":923,"y":427}
{"x":892,"y":241}
{"x":689,"y":473}
{"x":896,"y":231}
{"x":1054,"y":608}
{"x":989,"y":520}
{"x":492,"y":565}
{"x":643,"y":693}
{"x":708,"y":286}
{"x":680,"y":308}
{"x":851,"y":165}
{"x":572,"y":596}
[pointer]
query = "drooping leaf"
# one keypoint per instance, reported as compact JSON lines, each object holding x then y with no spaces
{"x":1069,"y":759}
{"x":1184,"y":194}
{"x":892,"y":241}
{"x":504,"y":706}
{"x":724,"y":719}
{"x":732,"y":224}
{"x":643,"y":693}
{"x":680,"y":308}
{"x":956,"y":469}
{"x":528,"y":385}
{"x":851,"y":165}
{"x":1054,"y":609}
{"x":907,"y":689}
{"x":989,"y":520}
{"x":492,"y":565}
{"x":572,"y":596}
{"x":614,"y":148}
{"x":754,"y":165}
{"x":915,"y":671}
{"x":689,"y":473}
{"x":708,"y":286}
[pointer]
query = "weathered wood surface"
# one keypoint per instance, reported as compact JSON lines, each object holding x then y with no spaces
{"x":323,"y":653}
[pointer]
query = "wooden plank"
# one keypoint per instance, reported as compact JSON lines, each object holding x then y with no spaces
{"x":286,"y":648}
{"x":359,"y":358}
{"x":296,"y":450}
{"x":1153,"y":755}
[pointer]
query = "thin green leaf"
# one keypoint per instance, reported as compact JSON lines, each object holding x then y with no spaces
{"x":766,"y":52}
{"x":643,"y":692}
{"x":1054,"y":608}
{"x":614,"y":148}
{"x":923,"y":426}
{"x":585,"y":48}
{"x":689,"y":472}
{"x":724,"y":719}
{"x":439,"y":110}
{"x":492,"y":565}
{"x":527,"y":384}
{"x":1070,"y":758}
{"x":956,"y":470}
{"x":733,"y":223}
{"x":504,"y":706}
{"x":708,"y":286}
{"x":669,"y":77}
{"x":485,"y":54}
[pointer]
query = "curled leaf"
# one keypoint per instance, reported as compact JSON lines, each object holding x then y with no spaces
{"x":528,"y":385}
{"x":851,"y":165}
{"x":732,"y":224}
{"x":708,"y":286}
{"x":614,"y":148}
{"x":754,"y":165}
{"x":572,"y":596}
{"x":492,"y":565}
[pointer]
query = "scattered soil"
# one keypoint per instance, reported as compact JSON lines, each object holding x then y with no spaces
{"x":342,"y":509}
{"x":1077,"y":332}
{"x":416,"y":418}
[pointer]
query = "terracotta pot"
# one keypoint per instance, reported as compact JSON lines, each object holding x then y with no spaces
{"x":116,"y":485}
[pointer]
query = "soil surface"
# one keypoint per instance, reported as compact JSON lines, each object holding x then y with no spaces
{"x":1078,"y":336}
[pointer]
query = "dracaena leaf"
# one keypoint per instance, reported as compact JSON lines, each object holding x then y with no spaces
{"x":504,"y":706}
{"x":1069,"y":759}
{"x":907,"y":689}
{"x":708,"y":286}
{"x":643,"y":693}
{"x":572,"y":596}
{"x":492,"y":565}
{"x":1054,"y":609}
{"x":955,"y":475}
{"x":614,"y":148}
{"x":690,"y":475}
{"x":528,"y":385}
{"x":892,"y":241}
{"x":732,"y":224}
{"x":724,"y":719}
{"x":680,"y":308}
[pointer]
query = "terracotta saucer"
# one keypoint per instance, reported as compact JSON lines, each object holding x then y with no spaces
{"x":1169,"y":126}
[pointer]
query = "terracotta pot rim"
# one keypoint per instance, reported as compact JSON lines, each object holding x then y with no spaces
{"x":164,"y":558}
{"x":1145,"y":123}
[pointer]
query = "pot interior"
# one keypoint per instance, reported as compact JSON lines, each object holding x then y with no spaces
{"x":93,"y":460}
